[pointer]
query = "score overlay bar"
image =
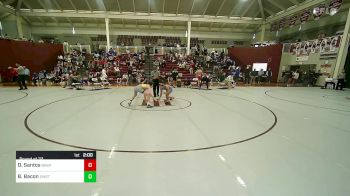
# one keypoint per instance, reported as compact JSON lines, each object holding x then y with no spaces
{"x":56,"y":166}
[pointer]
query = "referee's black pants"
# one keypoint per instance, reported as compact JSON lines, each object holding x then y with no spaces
{"x":156,"y":87}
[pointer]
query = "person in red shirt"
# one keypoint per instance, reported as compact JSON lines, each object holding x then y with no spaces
{"x":13,"y":74}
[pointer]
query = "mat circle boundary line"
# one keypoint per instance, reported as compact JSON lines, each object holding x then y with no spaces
{"x":305,"y":104}
{"x":26,"y":94}
{"x":146,"y":151}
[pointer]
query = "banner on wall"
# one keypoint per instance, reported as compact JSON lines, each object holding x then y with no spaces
{"x":303,"y":48}
{"x":319,"y":11}
{"x":323,"y":46}
{"x":314,"y":46}
{"x":282,"y":24}
{"x":334,"y":7}
{"x":304,"y":16}
{"x":293,"y":20}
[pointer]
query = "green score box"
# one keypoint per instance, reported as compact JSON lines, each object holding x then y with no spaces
{"x":90,"y":176}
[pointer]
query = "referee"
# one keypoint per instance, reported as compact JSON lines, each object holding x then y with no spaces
{"x":155,"y":76}
{"x":21,"y":77}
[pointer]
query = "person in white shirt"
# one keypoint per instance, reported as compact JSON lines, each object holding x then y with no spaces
{"x":21,"y":77}
{"x":26,"y":73}
{"x":125,"y":79}
{"x":329,"y":80}
{"x":191,"y":70}
{"x":103,"y":74}
{"x":295,"y":76}
{"x":208,"y":59}
{"x":116,"y":69}
{"x":229,"y":82}
{"x":116,"y":72}
{"x":260,"y":75}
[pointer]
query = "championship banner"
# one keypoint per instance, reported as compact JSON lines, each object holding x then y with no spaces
{"x":304,"y":16}
{"x":335,"y":43}
{"x":334,"y":7}
{"x":319,"y":11}
{"x":307,"y":48}
{"x":315,"y":48}
{"x":304,"y":49}
{"x":293,"y":20}
{"x":325,"y":45}
{"x":282,"y":24}
{"x":300,"y":49}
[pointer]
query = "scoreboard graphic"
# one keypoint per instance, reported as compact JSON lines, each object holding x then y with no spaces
{"x":56,"y":166}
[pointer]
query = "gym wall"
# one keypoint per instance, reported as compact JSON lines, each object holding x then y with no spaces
{"x":269,"y":54}
{"x":36,"y":56}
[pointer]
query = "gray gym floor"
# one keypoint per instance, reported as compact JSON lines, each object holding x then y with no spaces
{"x":245,"y":141}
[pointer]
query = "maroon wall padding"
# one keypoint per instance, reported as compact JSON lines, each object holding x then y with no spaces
{"x":269,"y":54}
{"x":36,"y":56}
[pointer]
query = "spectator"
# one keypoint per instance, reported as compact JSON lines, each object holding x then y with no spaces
{"x":26,"y":73}
{"x":237,"y":73}
{"x":199,"y":75}
{"x":295,"y":77}
{"x":206,"y":79}
{"x":260,"y":75}
{"x":174,"y":75}
{"x":191,"y":70}
{"x":104,"y":74}
{"x":208,"y":60}
{"x":329,"y":80}
{"x":125,"y":79}
{"x":247,"y":75}
{"x":13,"y":74}
{"x":35,"y":78}
{"x":269,"y":75}
{"x":253,"y":75}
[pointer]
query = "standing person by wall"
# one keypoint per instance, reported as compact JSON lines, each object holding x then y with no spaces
{"x":199,"y":74}
{"x":295,"y":77}
{"x":205,"y":79}
{"x":341,"y":80}
{"x":260,"y":75}
{"x":268,"y":75}
{"x":174,"y":75}
{"x":253,"y":75}
{"x":247,"y":75}
{"x":26,"y":74}
{"x":237,"y":73}
{"x":13,"y":73}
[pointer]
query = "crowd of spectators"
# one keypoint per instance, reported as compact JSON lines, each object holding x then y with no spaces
{"x":129,"y":68}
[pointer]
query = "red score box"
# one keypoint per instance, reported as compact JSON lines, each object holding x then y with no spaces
{"x":90,"y":165}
